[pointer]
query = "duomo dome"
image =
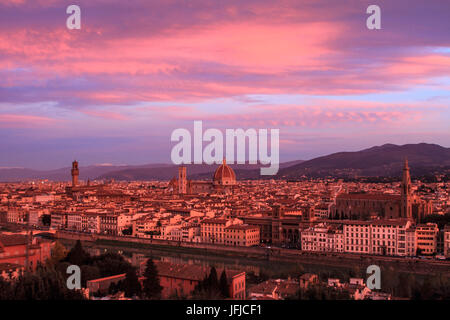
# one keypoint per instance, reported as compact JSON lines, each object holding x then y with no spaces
{"x":224,"y":175}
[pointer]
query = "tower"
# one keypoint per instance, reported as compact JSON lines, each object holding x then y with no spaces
{"x":182,"y":183}
{"x":75,"y":172}
{"x":406,"y":194}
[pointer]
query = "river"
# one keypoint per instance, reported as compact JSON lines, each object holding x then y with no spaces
{"x":272,"y":269}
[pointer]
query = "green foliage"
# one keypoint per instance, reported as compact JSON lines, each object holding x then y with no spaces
{"x":89,"y":273}
{"x":151,"y":286}
{"x":223,"y":285}
{"x":110,"y":264}
{"x":59,"y":253}
{"x":131,"y":285}
{"x":44,"y":284}
{"x":77,"y":255}
{"x":104,"y":265}
{"x":208,"y":288}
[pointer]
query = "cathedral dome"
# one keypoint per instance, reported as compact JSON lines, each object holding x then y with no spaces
{"x":224,"y":175}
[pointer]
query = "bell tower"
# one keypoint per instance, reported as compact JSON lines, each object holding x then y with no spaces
{"x":182,"y":182}
{"x":405,"y":192}
{"x":75,"y":173}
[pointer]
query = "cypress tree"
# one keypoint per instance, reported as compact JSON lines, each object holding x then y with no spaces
{"x":77,"y":255}
{"x":132,"y":285}
{"x":213,"y":281}
{"x":151,"y":286}
{"x":223,"y":284}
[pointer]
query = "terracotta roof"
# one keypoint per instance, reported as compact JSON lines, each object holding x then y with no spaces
{"x":368,"y":196}
{"x":224,"y":172}
{"x":396,"y":222}
{"x":215,"y":221}
{"x":117,"y":276}
{"x":188,"y":271}
{"x":241,"y":227}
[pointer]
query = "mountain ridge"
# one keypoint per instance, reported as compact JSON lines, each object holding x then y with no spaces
{"x":383,"y":160}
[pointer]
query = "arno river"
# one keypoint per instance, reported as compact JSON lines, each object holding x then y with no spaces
{"x":277,"y":269}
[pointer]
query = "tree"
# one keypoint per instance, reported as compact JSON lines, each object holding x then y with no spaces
{"x":6,"y":290}
{"x":44,"y":284}
{"x":213,"y":281}
{"x":110,"y":264}
{"x":131,"y":284}
{"x":208,"y":288}
{"x":59,"y":253}
{"x":77,"y":255}
{"x":89,"y":273}
{"x":151,"y":285}
{"x":223,"y":285}
{"x":46,"y":219}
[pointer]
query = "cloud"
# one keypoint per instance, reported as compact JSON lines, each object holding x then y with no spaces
{"x":24,"y":121}
{"x":136,"y":51}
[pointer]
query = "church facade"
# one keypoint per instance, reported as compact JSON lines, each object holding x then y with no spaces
{"x":224,"y":181}
{"x":369,"y":205}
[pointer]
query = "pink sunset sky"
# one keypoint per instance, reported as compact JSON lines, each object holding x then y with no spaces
{"x":114,"y":91}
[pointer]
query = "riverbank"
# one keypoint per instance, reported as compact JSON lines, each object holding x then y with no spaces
{"x":347,"y":261}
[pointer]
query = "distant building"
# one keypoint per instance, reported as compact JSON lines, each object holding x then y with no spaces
{"x":322,"y":211}
{"x":34,"y":217}
{"x":359,"y":206}
{"x":426,"y":238}
{"x":101,"y":192}
{"x":181,"y":279}
{"x":278,"y":227}
{"x":379,"y":237}
{"x":308,"y":279}
{"x":224,"y":181}
{"x":213,"y":230}
{"x":101,"y":286}
{"x":242,"y":235}
{"x":17,"y":215}
{"x":447,"y":241}
{"x":323,"y":238}
{"x":58,"y":220}
{"x":24,"y":250}
{"x":274,"y":289}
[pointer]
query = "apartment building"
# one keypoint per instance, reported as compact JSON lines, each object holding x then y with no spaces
{"x":383,"y":237}
{"x":35,"y":215}
{"x":426,"y":238}
{"x":144,"y":227}
{"x":447,"y":241}
{"x":242,"y":235}
{"x":321,"y":211}
{"x":114,"y":224}
{"x":213,"y":230}
{"x":58,"y":220}
{"x":16,"y":215}
{"x":323,"y":238}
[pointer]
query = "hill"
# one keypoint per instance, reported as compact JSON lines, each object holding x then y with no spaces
{"x":385,"y":160}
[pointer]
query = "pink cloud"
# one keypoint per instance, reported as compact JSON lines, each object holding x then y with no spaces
{"x":27,"y":121}
{"x":107,"y":115}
